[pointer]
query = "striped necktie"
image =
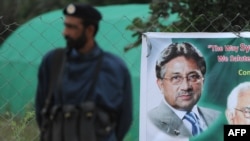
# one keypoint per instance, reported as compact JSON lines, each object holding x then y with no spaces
{"x":193,"y":119}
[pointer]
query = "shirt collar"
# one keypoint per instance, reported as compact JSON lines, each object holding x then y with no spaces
{"x":180,"y":113}
{"x":88,"y":56}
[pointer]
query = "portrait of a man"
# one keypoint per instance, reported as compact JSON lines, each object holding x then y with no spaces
{"x":180,"y":73}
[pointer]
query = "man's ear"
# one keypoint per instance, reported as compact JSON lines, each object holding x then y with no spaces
{"x":91,"y":30}
{"x":160,"y":84}
{"x":230,"y":116}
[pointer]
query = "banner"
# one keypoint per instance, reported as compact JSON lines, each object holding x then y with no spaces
{"x":193,"y":72}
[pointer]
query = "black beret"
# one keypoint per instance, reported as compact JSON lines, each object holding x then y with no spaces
{"x":84,"y":11}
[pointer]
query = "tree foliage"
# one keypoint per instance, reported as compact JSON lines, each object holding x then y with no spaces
{"x":194,"y":16}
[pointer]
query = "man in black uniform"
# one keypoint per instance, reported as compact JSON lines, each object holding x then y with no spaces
{"x":84,"y":60}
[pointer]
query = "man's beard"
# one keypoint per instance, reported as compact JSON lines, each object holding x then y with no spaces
{"x":76,"y":43}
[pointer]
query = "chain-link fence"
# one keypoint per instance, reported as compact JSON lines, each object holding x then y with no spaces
{"x":21,"y":53}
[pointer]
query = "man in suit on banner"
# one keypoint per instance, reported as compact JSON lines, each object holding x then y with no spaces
{"x":238,"y":105}
{"x":180,"y":71}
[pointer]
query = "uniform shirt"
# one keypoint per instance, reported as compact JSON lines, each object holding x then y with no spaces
{"x":113,"y":90}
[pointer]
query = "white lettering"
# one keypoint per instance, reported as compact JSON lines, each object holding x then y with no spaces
{"x":243,"y":131}
{"x":231,"y":132}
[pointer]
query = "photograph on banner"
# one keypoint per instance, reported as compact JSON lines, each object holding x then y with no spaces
{"x":192,"y":84}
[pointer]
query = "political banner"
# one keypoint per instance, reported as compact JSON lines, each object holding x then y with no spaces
{"x":202,"y":73}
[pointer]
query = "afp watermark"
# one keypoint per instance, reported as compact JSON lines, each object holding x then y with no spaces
{"x":236,"y":132}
